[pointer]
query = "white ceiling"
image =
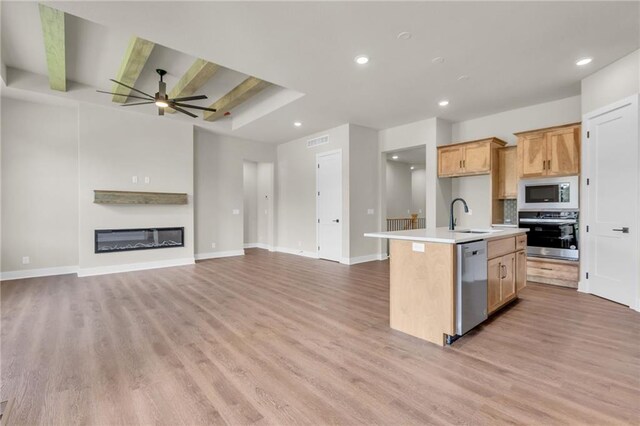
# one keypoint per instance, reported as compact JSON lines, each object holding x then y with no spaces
{"x":515,"y":53}
{"x":413,"y":156}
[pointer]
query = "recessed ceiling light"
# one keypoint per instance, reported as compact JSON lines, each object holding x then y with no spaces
{"x":463,"y":77}
{"x":361,"y":59}
{"x":405,"y":35}
{"x":438,"y":60}
{"x":443,"y":102}
{"x":394,"y":157}
{"x":297,"y":124}
{"x":413,"y":167}
{"x":584,"y":61}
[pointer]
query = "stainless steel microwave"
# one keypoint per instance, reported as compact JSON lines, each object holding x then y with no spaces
{"x":549,"y":193}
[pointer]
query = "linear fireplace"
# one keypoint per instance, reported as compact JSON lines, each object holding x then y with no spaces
{"x":110,"y":240}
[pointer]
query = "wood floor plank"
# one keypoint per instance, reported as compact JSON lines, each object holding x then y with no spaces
{"x":270,"y":339}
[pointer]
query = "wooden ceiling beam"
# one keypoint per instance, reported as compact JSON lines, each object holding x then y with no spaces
{"x":53,"y":32}
{"x":239,"y":94}
{"x":196,"y":76}
{"x":135,"y":58}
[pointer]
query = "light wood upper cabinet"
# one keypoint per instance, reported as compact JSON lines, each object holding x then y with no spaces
{"x":508,"y":172}
{"x":449,"y":161}
{"x":467,"y":158}
{"x":532,"y":155}
{"x":477,"y":158}
{"x":549,"y":152}
{"x":563,"y":152}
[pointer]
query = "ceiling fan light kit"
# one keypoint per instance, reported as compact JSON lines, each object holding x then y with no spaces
{"x":161,"y":99}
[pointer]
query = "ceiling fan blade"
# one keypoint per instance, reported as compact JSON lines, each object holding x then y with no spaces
{"x":173,"y":106}
{"x":191,"y":106}
{"x":189,"y":98}
{"x":132,"y":88}
{"x":119,"y":94}
{"x":139,"y":103}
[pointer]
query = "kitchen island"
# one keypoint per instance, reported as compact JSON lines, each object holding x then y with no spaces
{"x":427,"y":295}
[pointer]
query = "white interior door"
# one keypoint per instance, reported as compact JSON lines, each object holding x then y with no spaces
{"x":612,"y":202}
{"x":329,"y":205}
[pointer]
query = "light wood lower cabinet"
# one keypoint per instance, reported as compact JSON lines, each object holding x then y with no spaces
{"x":521,"y":270}
{"x":564,"y":273}
{"x":506,"y":272}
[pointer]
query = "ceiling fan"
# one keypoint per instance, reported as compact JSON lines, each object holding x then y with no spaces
{"x":161,"y":99}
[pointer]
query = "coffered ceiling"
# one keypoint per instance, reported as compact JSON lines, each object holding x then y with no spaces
{"x":514,"y":54}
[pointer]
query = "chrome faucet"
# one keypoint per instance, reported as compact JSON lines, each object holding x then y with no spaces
{"x":452,"y":222}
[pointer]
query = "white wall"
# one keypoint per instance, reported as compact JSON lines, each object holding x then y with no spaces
{"x":296,"y":191}
{"x":363,"y":193}
{"x":218,"y":169}
{"x":115,"y":145}
{"x":250,"y":202}
{"x":612,"y":83}
{"x":431,"y":133}
{"x":418,"y":191}
{"x":39,"y":161}
{"x":398,"y":192}
{"x":504,"y":124}
{"x":265,"y":194}
{"x":476,"y":190}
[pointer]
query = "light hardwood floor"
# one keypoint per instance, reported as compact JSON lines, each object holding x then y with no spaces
{"x":279,"y":339}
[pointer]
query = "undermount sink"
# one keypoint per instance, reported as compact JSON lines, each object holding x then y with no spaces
{"x":478,"y":231}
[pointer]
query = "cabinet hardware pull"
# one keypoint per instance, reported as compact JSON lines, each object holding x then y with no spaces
{"x":460,"y":163}
{"x":548,"y":164}
{"x":546,"y":269}
{"x":544,"y":165}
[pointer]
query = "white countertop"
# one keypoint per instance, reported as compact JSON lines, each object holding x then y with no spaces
{"x":443,"y":235}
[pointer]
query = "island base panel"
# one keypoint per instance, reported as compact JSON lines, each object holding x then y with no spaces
{"x":422,"y":289}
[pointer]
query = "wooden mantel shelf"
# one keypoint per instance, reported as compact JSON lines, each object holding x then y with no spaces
{"x":133,"y":197}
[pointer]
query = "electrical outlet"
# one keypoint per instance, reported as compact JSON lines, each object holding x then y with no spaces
{"x":419,"y":210}
{"x":299,"y":243}
{"x":470,"y":212}
{"x":26,"y":260}
{"x":213,"y":245}
{"x":146,"y":179}
{"x":134,"y":179}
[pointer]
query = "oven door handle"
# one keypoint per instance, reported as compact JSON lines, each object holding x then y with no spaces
{"x":549,"y":221}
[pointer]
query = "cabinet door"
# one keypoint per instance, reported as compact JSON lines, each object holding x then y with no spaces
{"x":521,"y":270}
{"x":507,"y":173}
{"x":508,"y":282}
{"x":494,"y":274}
{"x":476,"y":158}
{"x":449,"y":161}
{"x":532,"y":156}
{"x":563,"y":152}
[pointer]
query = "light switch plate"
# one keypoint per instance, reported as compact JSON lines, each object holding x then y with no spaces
{"x":26,"y":260}
{"x":134,"y":179}
{"x":370,"y":211}
{"x":419,"y":247}
{"x":146,"y":179}
{"x":236,"y":211}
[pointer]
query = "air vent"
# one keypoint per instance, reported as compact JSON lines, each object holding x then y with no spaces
{"x":320,"y":140}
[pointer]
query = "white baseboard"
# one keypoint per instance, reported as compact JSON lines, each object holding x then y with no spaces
{"x":33,"y":273}
{"x":112,"y":269}
{"x":583,"y":287}
{"x":363,"y":259}
{"x":258,"y":245}
{"x":218,"y":254}
{"x":311,"y":254}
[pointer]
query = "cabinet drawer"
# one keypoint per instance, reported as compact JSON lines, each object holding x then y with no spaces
{"x":556,"y":272}
{"x":501,"y":247}
{"x":521,"y":242}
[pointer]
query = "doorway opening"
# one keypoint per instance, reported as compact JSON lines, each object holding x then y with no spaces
{"x":258,"y":213}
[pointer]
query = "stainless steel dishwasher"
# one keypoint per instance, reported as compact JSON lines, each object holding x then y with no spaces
{"x":471,"y":288}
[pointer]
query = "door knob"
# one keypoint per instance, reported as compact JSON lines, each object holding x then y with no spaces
{"x":624,"y":230}
{"x":336,"y":220}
